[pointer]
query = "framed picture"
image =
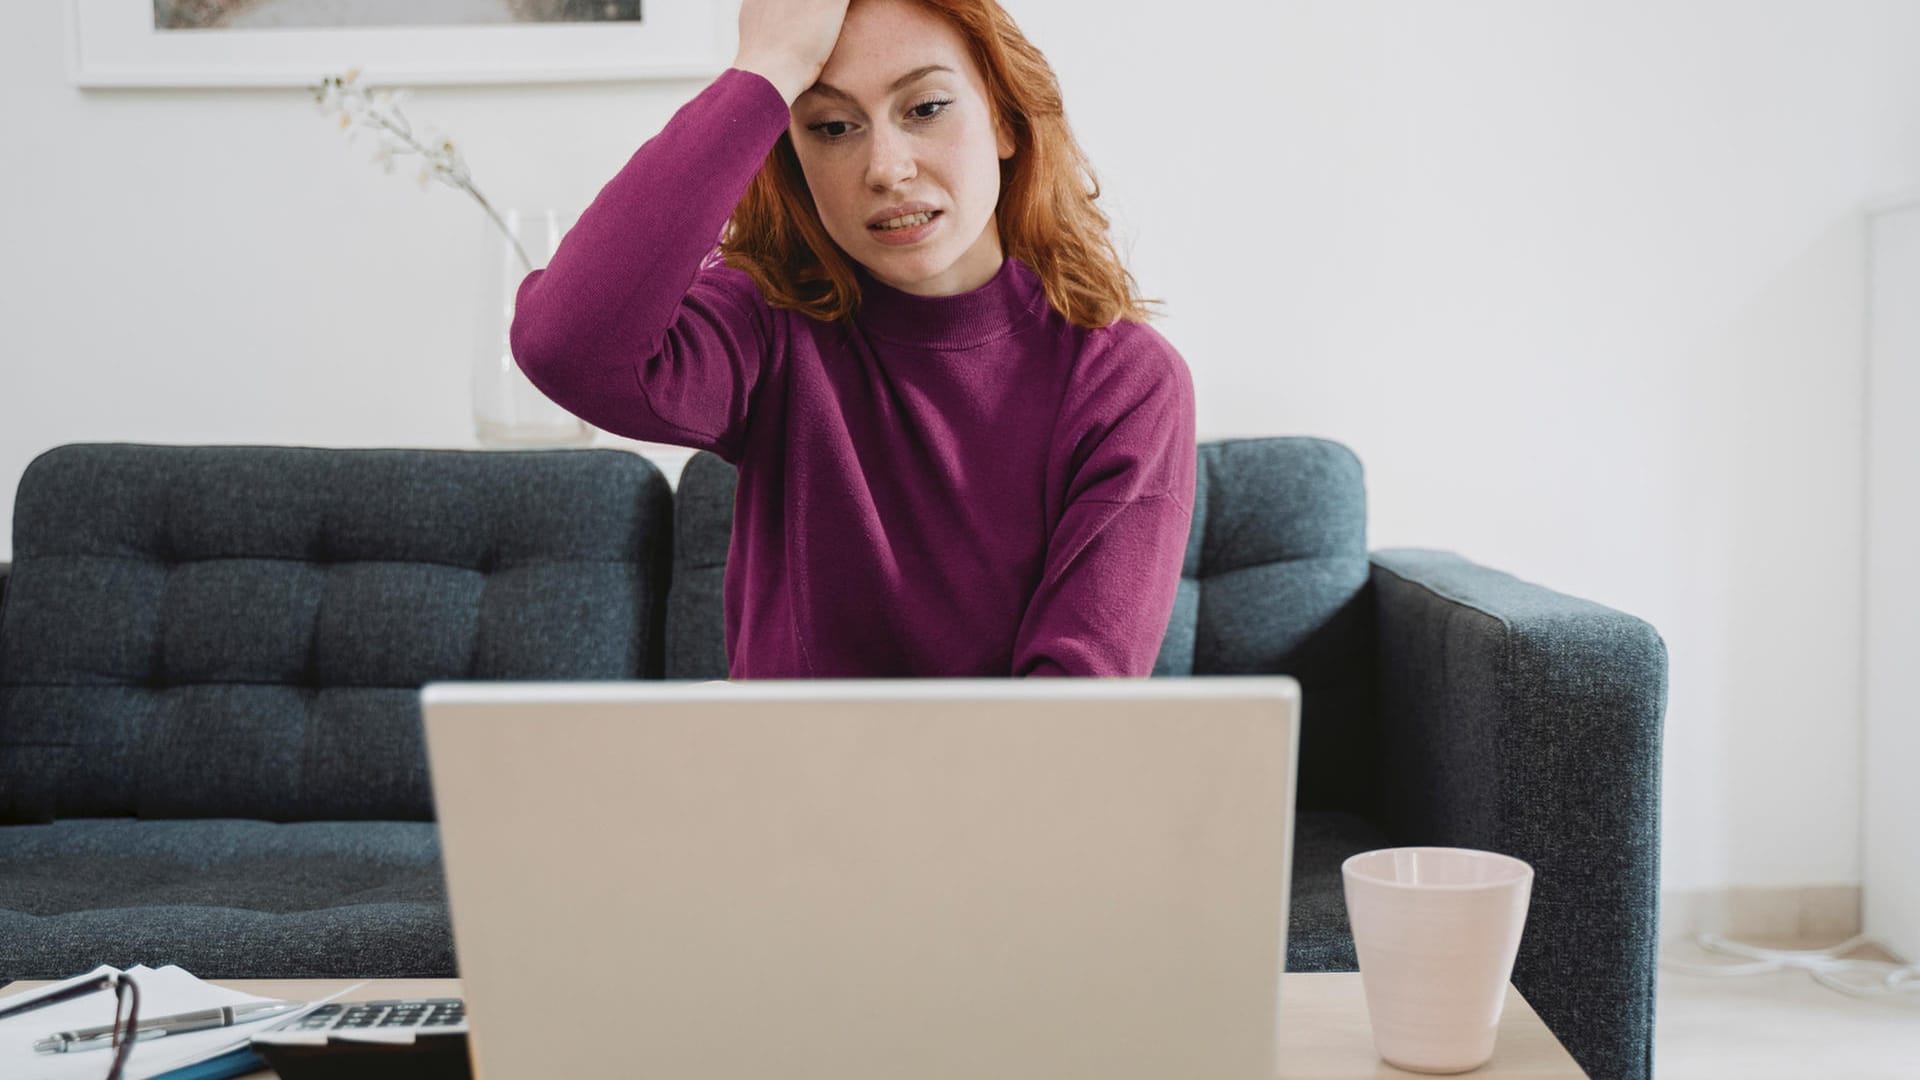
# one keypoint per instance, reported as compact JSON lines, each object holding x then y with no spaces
{"x":118,"y":43}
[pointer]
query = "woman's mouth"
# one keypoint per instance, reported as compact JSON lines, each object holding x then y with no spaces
{"x":907,"y":228}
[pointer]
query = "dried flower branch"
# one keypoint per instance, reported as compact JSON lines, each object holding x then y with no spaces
{"x":361,"y":108}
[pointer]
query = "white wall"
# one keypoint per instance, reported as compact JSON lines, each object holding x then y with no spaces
{"x":1581,"y":282}
{"x":1890,"y":801}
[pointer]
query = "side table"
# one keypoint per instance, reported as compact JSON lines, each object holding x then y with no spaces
{"x":1324,"y":1033}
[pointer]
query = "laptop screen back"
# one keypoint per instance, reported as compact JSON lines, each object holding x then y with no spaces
{"x":877,"y":879}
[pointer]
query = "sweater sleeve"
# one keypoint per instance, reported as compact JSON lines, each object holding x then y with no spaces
{"x":1113,"y":561}
{"x":631,"y":326}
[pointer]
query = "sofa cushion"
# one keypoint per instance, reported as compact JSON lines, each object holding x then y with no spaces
{"x":1275,"y":581}
{"x":224,"y":898}
{"x":702,"y":533}
{"x":365,"y":899}
{"x":1278,"y":547}
{"x":218,"y":631}
{"x":1319,"y":937}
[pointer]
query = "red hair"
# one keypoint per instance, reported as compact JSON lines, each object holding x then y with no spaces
{"x":1046,"y":213}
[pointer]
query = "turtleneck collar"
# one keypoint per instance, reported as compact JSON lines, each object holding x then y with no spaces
{"x":997,"y":308}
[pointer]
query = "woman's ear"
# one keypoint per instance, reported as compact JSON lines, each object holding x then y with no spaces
{"x":1004,"y":136}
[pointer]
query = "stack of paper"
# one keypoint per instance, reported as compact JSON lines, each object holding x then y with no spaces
{"x":195,"y":1055}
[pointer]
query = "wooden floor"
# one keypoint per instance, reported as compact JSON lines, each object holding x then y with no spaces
{"x":1781,"y":1025}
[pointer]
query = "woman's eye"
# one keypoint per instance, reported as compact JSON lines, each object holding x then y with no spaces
{"x":835,"y":129}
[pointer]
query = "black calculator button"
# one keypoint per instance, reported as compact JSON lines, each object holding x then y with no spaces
{"x":360,"y":1016}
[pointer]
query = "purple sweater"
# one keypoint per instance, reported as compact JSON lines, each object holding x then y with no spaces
{"x":950,"y":486}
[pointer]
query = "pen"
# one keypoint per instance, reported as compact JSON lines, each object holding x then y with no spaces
{"x":61,"y":1042}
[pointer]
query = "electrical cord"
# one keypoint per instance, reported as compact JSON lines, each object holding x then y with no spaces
{"x":1830,"y":967}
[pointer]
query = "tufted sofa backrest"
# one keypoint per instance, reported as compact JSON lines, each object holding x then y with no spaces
{"x":1275,"y":582}
{"x":242,"y":631}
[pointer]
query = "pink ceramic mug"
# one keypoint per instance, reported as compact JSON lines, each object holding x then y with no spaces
{"x":1436,"y":930}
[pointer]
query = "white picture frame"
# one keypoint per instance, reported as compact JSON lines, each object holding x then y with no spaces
{"x":113,"y":43}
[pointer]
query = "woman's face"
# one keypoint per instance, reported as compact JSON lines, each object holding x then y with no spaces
{"x":899,"y":119}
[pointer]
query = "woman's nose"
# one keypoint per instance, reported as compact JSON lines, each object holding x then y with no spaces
{"x":891,"y":160}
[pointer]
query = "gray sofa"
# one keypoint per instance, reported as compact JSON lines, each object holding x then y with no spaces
{"x":210,"y":748}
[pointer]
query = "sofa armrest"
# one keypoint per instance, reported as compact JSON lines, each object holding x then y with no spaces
{"x":1524,"y":721}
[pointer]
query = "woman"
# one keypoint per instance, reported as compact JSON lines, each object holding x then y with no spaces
{"x":960,"y":450}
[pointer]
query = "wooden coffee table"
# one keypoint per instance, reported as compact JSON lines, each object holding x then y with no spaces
{"x":1323,"y":1026}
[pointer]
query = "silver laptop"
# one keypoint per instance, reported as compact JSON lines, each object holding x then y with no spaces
{"x":869,"y":880}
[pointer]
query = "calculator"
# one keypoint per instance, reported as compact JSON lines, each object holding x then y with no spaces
{"x":430,"y":1015}
{"x":415,"y":1038}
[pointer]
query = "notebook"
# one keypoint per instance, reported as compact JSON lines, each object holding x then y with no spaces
{"x":199,"y":1055}
{"x":1069,"y":878}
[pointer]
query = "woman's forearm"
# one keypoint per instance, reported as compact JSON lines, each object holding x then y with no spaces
{"x":614,"y":328}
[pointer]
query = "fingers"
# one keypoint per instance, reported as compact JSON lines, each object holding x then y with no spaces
{"x":788,"y":41}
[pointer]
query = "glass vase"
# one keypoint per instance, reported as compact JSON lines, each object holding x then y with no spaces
{"x":509,"y":412}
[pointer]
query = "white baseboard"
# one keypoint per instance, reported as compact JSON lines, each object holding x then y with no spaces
{"x":1805,"y":913}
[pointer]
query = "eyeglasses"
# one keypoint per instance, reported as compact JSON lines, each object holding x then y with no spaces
{"x":126,"y":1002}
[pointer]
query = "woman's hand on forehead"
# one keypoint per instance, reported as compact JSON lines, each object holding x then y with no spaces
{"x":788,"y":41}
